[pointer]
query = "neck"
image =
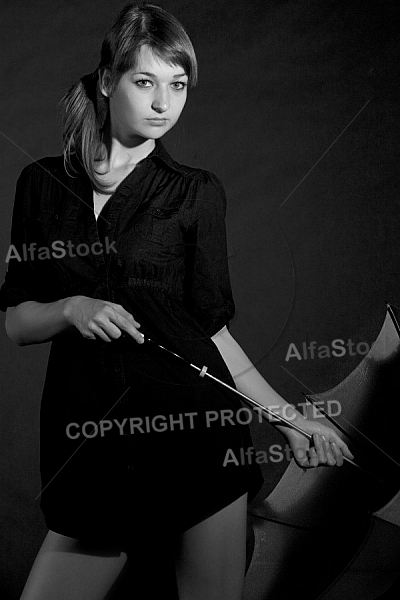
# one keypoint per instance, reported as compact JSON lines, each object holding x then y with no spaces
{"x":119,"y":152}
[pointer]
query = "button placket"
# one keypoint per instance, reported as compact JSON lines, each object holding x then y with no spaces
{"x":94,"y":238}
{"x":110,"y":258}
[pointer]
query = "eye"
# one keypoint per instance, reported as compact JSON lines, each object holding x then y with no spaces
{"x":180,"y":83}
{"x":143,"y":81}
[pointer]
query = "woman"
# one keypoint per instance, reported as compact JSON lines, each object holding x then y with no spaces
{"x":119,"y":241}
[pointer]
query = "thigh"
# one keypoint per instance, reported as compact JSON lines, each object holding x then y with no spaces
{"x":67,"y":569}
{"x":210,"y":561}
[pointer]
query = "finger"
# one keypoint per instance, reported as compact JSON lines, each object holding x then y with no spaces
{"x":126,"y":325}
{"x":113,"y":331}
{"x":345,"y":450}
{"x":98,"y":331}
{"x":127,"y":315}
{"x":132,"y":331}
{"x":343,"y":447}
{"x":301,"y":458}
{"x":330,"y":457}
{"x":320,"y":449}
{"x":88,"y":336}
{"x":337,"y":453}
{"x":131,"y":319}
{"x":313,"y":457}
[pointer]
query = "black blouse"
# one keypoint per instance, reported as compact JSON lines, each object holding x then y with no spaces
{"x":163,"y":227}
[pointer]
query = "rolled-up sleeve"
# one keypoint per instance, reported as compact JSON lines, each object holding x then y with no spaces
{"x":21,"y":282}
{"x":208,"y":289}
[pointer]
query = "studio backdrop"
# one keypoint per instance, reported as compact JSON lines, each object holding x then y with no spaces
{"x":297,"y":112}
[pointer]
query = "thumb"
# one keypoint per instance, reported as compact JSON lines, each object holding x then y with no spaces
{"x":300,"y":456}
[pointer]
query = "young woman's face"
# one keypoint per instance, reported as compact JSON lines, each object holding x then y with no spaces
{"x":152,"y":90}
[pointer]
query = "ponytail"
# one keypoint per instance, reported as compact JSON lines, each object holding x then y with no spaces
{"x":84,"y":112}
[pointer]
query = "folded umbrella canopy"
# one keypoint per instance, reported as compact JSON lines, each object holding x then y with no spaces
{"x":331,"y":533}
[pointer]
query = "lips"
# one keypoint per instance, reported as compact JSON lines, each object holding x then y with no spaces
{"x":157,"y":122}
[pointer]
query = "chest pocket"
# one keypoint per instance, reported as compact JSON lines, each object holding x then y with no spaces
{"x":49,"y":227}
{"x":158,"y":224}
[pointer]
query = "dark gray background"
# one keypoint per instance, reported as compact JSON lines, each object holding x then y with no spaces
{"x":313,"y":251}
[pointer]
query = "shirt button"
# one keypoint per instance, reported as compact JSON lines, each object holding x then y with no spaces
{"x":158,"y":211}
{"x":111,"y":216}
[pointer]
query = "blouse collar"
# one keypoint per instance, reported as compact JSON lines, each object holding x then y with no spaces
{"x":159,"y":152}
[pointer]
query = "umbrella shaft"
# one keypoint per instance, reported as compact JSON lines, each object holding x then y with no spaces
{"x":254,"y":403}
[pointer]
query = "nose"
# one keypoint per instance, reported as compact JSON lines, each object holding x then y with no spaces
{"x":160,"y":101}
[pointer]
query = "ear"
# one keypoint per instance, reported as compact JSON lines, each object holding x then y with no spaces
{"x":104,"y":81}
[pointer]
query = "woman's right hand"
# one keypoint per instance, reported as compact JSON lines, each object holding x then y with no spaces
{"x":95,"y":318}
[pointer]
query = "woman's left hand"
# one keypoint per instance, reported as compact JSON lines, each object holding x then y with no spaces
{"x":325,"y":448}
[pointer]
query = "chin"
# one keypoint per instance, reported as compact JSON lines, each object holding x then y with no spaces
{"x":157,"y":132}
{"x":160,"y":131}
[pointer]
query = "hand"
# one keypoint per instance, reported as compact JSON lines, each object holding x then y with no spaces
{"x":325,"y":448}
{"x":94,"y":317}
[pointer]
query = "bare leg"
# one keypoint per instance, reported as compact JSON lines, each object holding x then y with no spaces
{"x":65,"y":569}
{"x":210,"y":563}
